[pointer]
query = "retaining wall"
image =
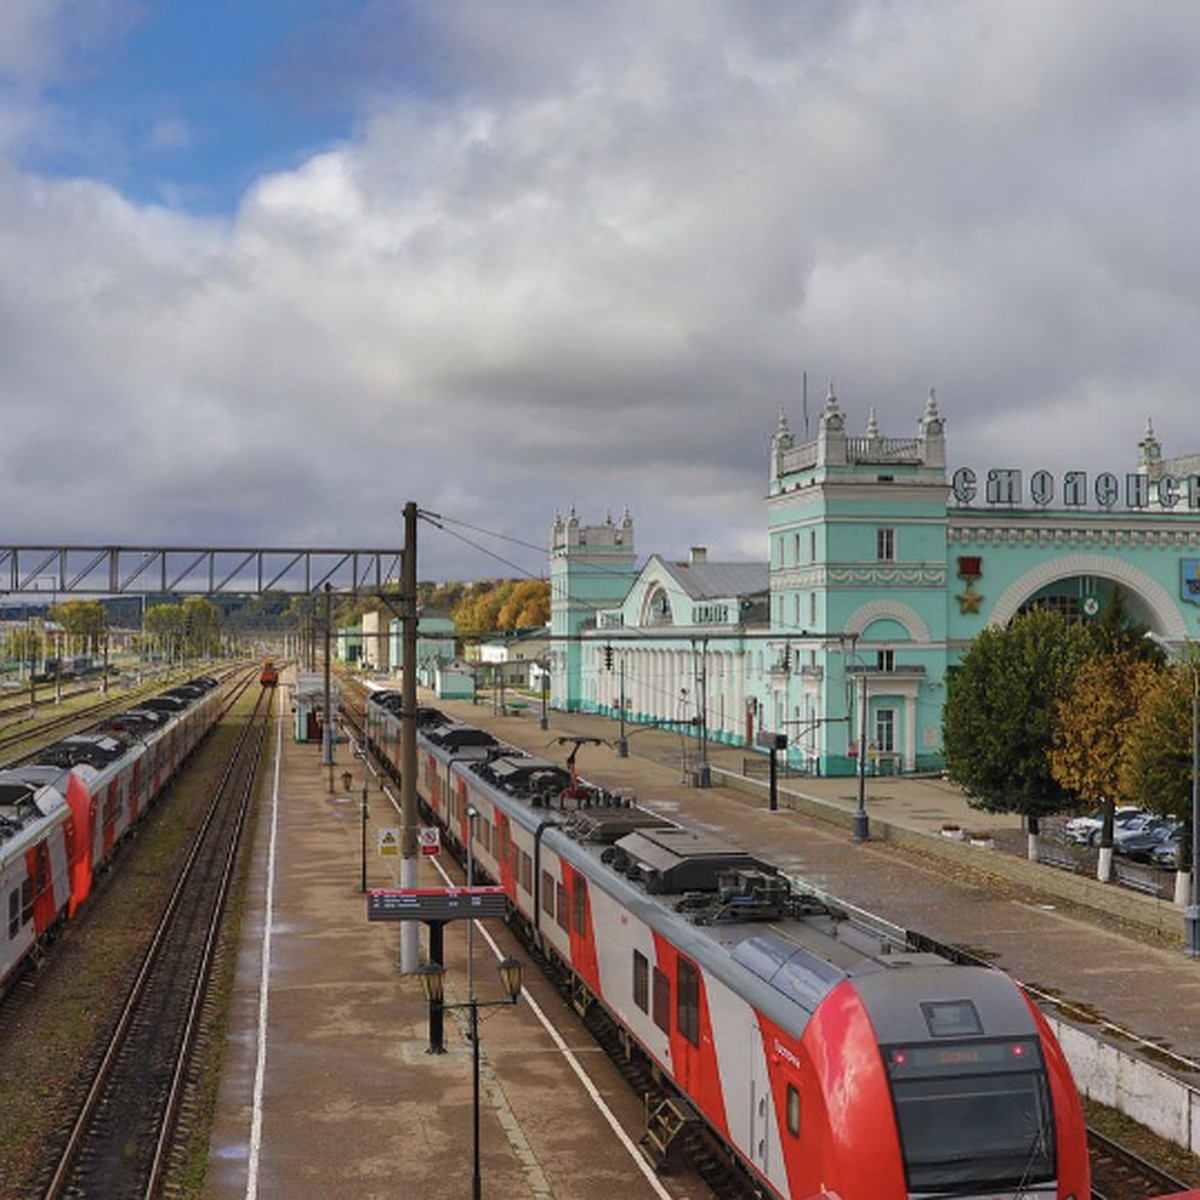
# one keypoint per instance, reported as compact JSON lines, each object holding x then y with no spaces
{"x":1103,"y":1071}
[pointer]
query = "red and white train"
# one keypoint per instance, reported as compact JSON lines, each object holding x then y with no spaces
{"x":63,"y":814}
{"x":834,"y":1062}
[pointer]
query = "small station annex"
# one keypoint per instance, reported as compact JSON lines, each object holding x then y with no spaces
{"x":882,"y":568}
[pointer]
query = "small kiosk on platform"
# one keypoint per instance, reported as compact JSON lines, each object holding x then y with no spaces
{"x":308,"y":705}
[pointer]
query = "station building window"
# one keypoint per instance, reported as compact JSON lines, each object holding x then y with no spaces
{"x":885,"y":730}
{"x":885,"y":545}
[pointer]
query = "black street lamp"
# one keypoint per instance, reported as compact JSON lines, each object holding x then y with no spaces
{"x":433,"y":982}
{"x":862,"y":823}
{"x":348,"y":783}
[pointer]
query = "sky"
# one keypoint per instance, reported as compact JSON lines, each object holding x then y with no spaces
{"x":270,"y":270}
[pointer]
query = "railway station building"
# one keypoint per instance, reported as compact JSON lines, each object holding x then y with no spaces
{"x":882,"y":565}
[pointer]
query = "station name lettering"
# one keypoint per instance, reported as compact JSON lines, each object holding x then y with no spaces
{"x":1004,"y":486}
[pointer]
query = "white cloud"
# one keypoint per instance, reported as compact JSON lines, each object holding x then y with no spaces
{"x":592,"y":257}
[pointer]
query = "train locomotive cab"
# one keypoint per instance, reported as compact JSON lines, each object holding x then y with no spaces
{"x":269,"y":675}
{"x":982,"y":1099}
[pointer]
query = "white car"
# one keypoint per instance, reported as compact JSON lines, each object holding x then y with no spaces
{"x":1085,"y":831}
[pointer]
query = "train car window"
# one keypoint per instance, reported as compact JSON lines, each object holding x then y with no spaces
{"x":579,"y":905}
{"x":547,"y":893}
{"x":971,"y":1113}
{"x":793,"y":1110}
{"x":26,"y":901}
{"x":526,"y":873}
{"x":687,"y":1001}
{"x":14,"y":913}
{"x":641,"y":981}
{"x":562,"y":908}
{"x":951,"y":1018}
{"x":662,"y":1001}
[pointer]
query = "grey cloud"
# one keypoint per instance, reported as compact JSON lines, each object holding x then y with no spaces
{"x":583,"y":253}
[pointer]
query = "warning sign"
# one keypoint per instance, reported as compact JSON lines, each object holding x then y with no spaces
{"x":429,"y":840}
{"x":389,"y":843}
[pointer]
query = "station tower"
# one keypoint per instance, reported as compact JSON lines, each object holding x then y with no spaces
{"x":591,"y":567}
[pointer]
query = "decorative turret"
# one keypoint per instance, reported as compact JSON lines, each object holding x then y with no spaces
{"x":831,"y":434}
{"x":1150,"y":452}
{"x":932,"y":431}
{"x":781,"y":442}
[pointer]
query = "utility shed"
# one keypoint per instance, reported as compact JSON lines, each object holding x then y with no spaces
{"x":308,"y":705}
{"x":455,"y":681}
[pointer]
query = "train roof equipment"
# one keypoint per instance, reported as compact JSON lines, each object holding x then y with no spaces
{"x":88,"y":749}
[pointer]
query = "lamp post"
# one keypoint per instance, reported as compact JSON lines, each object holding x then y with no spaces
{"x":862,"y":823}
{"x":622,"y":740}
{"x":472,"y":813}
{"x":1191,"y":913}
{"x":364,"y":813}
{"x":433,"y":983}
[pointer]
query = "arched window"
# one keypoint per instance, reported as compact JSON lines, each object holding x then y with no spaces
{"x":658,"y":608}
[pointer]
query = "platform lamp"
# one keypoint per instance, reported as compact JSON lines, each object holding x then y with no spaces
{"x":1191,"y":914}
{"x":433,"y":979}
{"x":348,"y":784}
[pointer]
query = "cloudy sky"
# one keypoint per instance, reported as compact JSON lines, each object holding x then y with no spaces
{"x":268,"y":270}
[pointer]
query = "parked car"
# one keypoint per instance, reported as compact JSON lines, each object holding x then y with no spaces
{"x":1086,"y":831}
{"x":1133,"y":825}
{"x":1140,"y":844}
{"x":1166,"y":853}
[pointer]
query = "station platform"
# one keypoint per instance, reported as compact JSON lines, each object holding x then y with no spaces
{"x":328,"y":1090}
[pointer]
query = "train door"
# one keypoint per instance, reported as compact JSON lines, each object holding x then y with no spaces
{"x":760,"y":1104}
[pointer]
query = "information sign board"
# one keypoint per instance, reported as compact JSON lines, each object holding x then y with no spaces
{"x":771,"y":741}
{"x":389,"y":843}
{"x":436,"y":904}
{"x":430,"y":840}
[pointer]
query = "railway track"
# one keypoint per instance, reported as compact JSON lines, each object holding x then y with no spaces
{"x":119,"y":1142}
{"x":17,"y":711}
{"x":1119,"y":1174}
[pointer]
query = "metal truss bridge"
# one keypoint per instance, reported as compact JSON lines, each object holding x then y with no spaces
{"x":193,"y":570}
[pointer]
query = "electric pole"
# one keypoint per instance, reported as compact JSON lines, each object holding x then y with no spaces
{"x":409,"y":930}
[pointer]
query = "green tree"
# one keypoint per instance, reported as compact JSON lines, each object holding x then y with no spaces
{"x":1090,"y":728}
{"x":165,"y":630}
{"x":201,"y":628}
{"x":997,"y":717}
{"x":23,"y":644}
{"x":85,"y":623}
{"x":1158,"y":763}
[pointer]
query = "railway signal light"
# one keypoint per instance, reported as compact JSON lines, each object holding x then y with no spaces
{"x":608,"y":658}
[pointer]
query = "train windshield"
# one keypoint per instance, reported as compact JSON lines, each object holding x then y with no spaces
{"x":972,"y":1114}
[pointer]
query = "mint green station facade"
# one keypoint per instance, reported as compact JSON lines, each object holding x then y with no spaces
{"x":882,"y":567}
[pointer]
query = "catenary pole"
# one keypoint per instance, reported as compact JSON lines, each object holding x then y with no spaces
{"x":409,"y":930}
